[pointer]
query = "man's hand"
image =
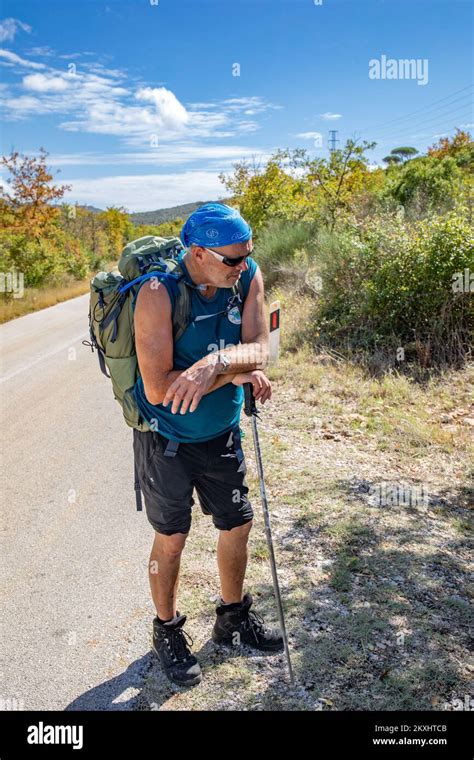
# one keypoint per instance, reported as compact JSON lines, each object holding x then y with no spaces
{"x":262,"y":388}
{"x":189,"y":388}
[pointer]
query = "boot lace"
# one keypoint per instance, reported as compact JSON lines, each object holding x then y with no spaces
{"x":255,"y":623}
{"x":178,"y":643}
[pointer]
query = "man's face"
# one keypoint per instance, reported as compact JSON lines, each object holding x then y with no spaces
{"x":217,"y":273}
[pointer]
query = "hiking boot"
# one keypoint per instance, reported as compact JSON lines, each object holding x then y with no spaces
{"x":170,"y":643}
{"x":237,"y":624}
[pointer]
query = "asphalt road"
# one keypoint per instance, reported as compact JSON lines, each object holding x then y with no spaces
{"x":76,"y":611}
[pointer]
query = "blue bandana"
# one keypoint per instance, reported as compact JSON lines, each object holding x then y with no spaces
{"x":215,"y":225}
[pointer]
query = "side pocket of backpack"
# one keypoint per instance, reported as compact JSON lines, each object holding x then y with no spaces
{"x":123,"y":372}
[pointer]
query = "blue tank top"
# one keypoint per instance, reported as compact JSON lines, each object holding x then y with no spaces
{"x":219,"y":411}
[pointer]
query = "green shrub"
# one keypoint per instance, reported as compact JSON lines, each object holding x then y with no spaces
{"x":45,"y":259}
{"x":425,"y":184}
{"x":284,"y":250}
{"x":388,"y":283}
{"x":76,"y":259}
{"x":38,"y":260}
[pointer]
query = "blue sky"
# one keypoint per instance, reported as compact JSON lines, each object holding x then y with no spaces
{"x":138,"y":102}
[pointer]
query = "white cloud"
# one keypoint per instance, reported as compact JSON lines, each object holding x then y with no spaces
{"x":199,"y":106}
{"x":25,"y":104}
{"x":137,"y":125}
{"x":43,"y":51}
{"x":15,"y":59}
{"x":10,"y":26}
{"x":308,"y":135}
{"x":98,"y":104}
{"x":221,"y":156}
{"x":98,"y":68}
{"x":42,"y":83}
{"x":328,"y":116}
{"x":166,"y":120}
{"x":95,"y":99}
{"x":255,"y":103}
{"x":77,"y":55}
{"x":145,"y":192}
{"x":69,"y":56}
{"x":170,"y":113}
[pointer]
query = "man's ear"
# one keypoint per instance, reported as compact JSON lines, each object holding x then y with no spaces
{"x":198,"y":251}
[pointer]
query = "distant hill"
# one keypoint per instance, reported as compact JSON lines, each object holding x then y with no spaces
{"x":168,"y":214}
{"x":162,"y":214}
{"x":94,"y":209}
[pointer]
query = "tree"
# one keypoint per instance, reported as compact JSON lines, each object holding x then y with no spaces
{"x":28,"y":210}
{"x":341,"y":178}
{"x":84,"y":224}
{"x":118,"y":227}
{"x":271,"y":192}
{"x":169,"y":229}
{"x":404,"y":153}
{"x":460,"y":147}
{"x":400,"y":155}
{"x":426,"y":181}
{"x":294,"y":187}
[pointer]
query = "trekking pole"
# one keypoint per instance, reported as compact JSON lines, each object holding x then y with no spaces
{"x":252,"y":411}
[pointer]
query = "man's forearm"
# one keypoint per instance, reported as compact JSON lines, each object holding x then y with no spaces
{"x":245,"y":357}
{"x":221,"y":379}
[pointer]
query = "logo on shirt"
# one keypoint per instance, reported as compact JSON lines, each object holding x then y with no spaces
{"x":234,"y":316}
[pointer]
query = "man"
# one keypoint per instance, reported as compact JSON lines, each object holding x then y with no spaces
{"x":190,"y":393}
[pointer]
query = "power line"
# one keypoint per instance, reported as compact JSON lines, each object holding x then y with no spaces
{"x":427,"y":123}
{"x":465,"y":104}
{"x":424,"y":110}
{"x":438,"y":132}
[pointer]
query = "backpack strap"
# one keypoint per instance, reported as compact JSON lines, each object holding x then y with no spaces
{"x":171,"y":448}
{"x":238,"y":289}
{"x":113,"y":315}
{"x":136,"y":485}
{"x":143,"y":277}
{"x":182,"y":308}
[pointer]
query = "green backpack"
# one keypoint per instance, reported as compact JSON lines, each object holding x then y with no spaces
{"x":111,"y":324}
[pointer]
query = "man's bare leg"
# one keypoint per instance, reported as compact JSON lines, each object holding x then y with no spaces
{"x":163,"y":572}
{"x":232,"y":561}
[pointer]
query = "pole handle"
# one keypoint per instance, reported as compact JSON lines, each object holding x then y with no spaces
{"x":250,"y":407}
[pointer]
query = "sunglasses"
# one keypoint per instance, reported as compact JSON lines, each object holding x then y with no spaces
{"x":228,"y":261}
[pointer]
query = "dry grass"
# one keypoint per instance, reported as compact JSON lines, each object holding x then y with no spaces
{"x":35,"y":299}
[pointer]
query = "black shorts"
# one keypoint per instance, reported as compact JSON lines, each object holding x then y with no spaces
{"x":167,"y":483}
